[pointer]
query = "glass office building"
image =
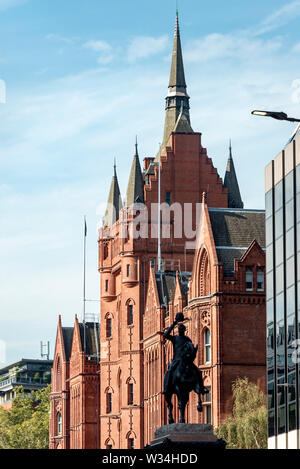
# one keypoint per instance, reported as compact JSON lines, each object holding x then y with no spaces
{"x":283,"y":296}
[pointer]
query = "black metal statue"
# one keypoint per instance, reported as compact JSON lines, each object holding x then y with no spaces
{"x":182,"y":376}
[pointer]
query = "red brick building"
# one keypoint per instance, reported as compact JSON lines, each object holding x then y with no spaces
{"x":114,"y":400}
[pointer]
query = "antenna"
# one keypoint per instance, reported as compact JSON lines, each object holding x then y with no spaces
{"x":47,"y":354}
{"x":159,"y":215}
{"x":84,"y":268}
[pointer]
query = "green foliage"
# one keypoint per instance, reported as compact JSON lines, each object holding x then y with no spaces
{"x":26,"y":424}
{"x":248,"y":426}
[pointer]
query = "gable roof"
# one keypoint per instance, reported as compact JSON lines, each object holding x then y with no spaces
{"x":234,"y":231}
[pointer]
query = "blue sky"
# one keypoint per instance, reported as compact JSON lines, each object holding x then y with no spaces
{"x":83,"y":78}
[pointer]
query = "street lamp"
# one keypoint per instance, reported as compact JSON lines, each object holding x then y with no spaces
{"x":281,"y":116}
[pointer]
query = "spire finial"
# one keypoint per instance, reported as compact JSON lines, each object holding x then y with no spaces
{"x":115,"y":167}
{"x":136,"y":146}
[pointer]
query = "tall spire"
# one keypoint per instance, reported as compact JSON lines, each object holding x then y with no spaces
{"x":135,"y":189}
{"x":177,"y":98}
{"x":231,"y":182}
{"x":114,"y":203}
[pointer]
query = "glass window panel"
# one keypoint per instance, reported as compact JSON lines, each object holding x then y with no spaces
{"x":279,"y":251}
{"x":279,"y":307}
{"x":278,"y":195}
{"x":270,"y":351}
{"x":270,"y":287}
{"x":281,"y":420}
{"x":298,"y":208}
{"x":281,"y":392}
{"x":269,"y":258}
{"x":290,"y":245}
{"x":298,"y":178}
{"x":249,"y":280}
{"x":269,"y":203}
{"x":289,"y":186}
{"x":280,"y":349}
{"x":289,"y":215}
{"x":270,"y":311}
{"x":298,"y":237}
{"x":271,"y":423}
{"x":292,"y":417}
{"x":278,"y":223}
{"x":271,"y":395}
{"x":291,"y":337}
{"x":290,"y":301}
{"x":291,"y":387}
{"x":269,"y":231}
{"x":279,"y":279}
{"x":260,"y":280}
{"x":290,"y":272}
{"x":298,"y":294}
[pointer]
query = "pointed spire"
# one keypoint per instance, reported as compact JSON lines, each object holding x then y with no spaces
{"x":135,"y":189}
{"x":231,"y":182}
{"x":114,"y":203}
{"x":177,"y":96}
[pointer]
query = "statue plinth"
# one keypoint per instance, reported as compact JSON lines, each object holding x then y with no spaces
{"x":186,"y":433}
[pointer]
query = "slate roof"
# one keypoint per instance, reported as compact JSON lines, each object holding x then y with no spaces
{"x":231,"y":182}
{"x":166,"y":285}
{"x":135,"y":188}
{"x":234,"y":231}
{"x":114,"y":203}
{"x":67,"y":333}
{"x":92,"y":338}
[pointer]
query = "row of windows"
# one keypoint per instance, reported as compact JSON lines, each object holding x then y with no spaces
{"x":260,"y":282}
{"x":129,"y":321}
{"x":130,"y":398}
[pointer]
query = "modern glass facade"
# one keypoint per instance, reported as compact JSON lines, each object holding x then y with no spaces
{"x":283,"y":289}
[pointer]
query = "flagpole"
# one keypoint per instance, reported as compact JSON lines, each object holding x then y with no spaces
{"x":84,"y":269}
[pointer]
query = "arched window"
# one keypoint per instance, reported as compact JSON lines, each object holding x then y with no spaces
{"x":207,"y":346}
{"x":108,"y":327}
{"x":260,"y":280}
{"x":108,"y":403}
{"x":130,"y":393}
{"x":130,"y":443}
{"x":59,"y":424}
{"x":130,"y":313}
{"x":58,"y":375}
{"x":249,"y":279}
{"x":204,"y":275}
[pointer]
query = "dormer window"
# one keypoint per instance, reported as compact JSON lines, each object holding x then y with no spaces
{"x":260,"y":280}
{"x":249,"y":279}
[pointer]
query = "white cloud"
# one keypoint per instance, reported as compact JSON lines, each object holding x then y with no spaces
{"x":142,"y":47}
{"x":5,"y":4}
{"x":97,"y":46}
{"x":222,"y":46}
{"x":279,"y":18}
{"x":59,"y":38}
{"x":103,"y":48}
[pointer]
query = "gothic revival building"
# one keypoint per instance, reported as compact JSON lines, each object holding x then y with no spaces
{"x":113,"y":398}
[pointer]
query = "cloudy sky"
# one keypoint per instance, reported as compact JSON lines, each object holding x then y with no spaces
{"x":82,"y":79}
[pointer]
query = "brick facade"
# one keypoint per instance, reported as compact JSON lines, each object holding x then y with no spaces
{"x":117,"y":401}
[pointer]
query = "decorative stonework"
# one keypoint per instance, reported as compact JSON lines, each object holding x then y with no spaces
{"x":205,"y":318}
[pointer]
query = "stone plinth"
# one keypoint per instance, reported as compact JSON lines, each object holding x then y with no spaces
{"x":185,"y":433}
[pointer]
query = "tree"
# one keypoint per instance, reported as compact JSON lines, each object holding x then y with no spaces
{"x":248,"y":426}
{"x":26,"y":424}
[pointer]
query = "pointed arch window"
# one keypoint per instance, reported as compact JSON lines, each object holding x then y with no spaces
{"x":204,"y":274}
{"x":108,"y":328}
{"x":108,"y":403}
